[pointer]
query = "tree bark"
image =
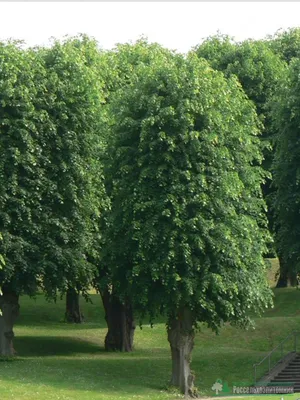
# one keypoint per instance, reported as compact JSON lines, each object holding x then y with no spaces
{"x":9,"y":305}
{"x":286,"y":276}
{"x":181,"y":338}
{"x":73,"y":312}
{"x":120,"y":322}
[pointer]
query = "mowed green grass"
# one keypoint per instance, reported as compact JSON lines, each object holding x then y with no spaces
{"x":65,"y":361}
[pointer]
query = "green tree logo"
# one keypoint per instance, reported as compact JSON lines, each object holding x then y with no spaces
{"x":220,"y":386}
{"x":217,"y":386}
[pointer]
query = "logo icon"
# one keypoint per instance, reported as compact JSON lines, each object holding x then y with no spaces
{"x":217,"y":386}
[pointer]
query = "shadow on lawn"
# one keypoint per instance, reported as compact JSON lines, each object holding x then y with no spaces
{"x":117,"y":375}
{"x":123,"y":376}
{"x":37,"y":346}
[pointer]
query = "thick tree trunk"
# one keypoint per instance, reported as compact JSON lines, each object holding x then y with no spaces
{"x":282,"y":280}
{"x":293,"y":279}
{"x":181,"y":339}
{"x":9,"y":305}
{"x":120,"y":323}
{"x":286,"y":276}
{"x":73,"y":312}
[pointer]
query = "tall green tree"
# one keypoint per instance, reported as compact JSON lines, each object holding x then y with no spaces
{"x":286,"y":169}
{"x":74,"y":195}
{"x":260,"y":71}
{"x":285,"y":43}
{"x":121,"y":65}
{"x":51,"y":174}
{"x":187,"y":229}
{"x":20,"y":177}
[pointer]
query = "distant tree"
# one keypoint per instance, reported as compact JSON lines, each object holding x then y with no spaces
{"x":287,"y":45}
{"x":73,"y":312}
{"x":286,"y":170}
{"x":256,"y":66}
{"x":187,"y":230}
{"x":260,"y":71}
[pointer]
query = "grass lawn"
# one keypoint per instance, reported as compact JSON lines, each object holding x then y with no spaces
{"x":62,"y":361}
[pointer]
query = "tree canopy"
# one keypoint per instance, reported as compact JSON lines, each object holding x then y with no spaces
{"x":52,"y":183}
{"x":73,"y":192}
{"x":184,"y":182}
{"x":260,"y":71}
{"x":20,"y":170}
{"x":257,"y":67}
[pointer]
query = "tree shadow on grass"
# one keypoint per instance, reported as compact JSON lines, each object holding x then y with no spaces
{"x":55,"y":361}
{"x":43,"y":346}
{"x":118,"y":375}
{"x":108,"y":376}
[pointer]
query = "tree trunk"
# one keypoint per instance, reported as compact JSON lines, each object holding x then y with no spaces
{"x":287,"y":277}
{"x":73,"y":312}
{"x":282,"y":280}
{"x":181,"y":339}
{"x":9,"y":305}
{"x":120,"y":322}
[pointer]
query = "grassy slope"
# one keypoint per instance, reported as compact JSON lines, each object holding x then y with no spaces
{"x":62,"y":361}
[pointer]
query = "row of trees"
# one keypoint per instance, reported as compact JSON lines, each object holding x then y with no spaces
{"x":145,"y":174}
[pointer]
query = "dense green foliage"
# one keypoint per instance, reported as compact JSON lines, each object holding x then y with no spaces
{"x":20,"y":171}
{"x":286,"y":168}
{"x":52,"y":185}
{"x":259,"y":71}
{"x":123,"y":60}
{"x":218,"y":50}
{"x":187,"y":224}
{"x":257,"y":67}
{"x":73,"y":194}
{"x":138,"y":171}
{"x":121,"y":65}
{"x":286,"y":43}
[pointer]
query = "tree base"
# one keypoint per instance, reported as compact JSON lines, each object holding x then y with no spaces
{"x":9,"y":305}
{"x":181,"y":338}
{"x":287,"y":278}
{"x":73,"y":313}
{"x":120,"y":323}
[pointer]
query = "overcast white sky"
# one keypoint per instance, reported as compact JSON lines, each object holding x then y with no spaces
{"x":177,"y":25}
